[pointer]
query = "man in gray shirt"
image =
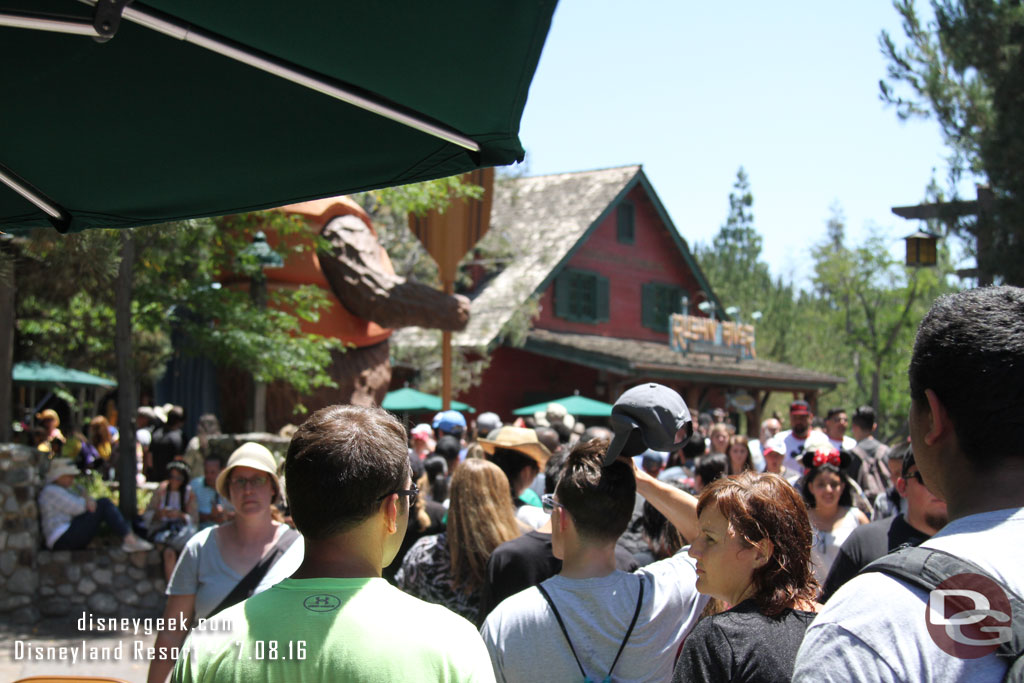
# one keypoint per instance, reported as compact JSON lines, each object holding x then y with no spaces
{"x":592,"y":620}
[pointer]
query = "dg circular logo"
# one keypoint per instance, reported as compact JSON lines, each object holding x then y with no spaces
{"x":321,"y":603}
{"x":968,"y":616}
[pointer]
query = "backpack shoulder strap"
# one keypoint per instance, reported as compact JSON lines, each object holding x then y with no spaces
{"x":561,"y":625}
{"x":629,"y":631}
{"x":926,"y":568}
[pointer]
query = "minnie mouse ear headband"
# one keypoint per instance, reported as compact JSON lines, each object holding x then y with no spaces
{"x":825,"y":455}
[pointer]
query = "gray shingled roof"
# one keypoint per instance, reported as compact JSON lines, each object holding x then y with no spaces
{"x":548,"y":214}
{"x":656,"y":359}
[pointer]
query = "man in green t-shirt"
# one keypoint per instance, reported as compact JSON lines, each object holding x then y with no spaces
{"x":348,"y":481}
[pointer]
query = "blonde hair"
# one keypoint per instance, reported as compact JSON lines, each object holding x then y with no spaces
{"x":480,"y":518}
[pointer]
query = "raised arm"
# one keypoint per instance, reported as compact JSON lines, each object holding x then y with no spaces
{"x":679,"y":507}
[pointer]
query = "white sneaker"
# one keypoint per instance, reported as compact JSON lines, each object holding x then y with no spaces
{"x":134,"y":544}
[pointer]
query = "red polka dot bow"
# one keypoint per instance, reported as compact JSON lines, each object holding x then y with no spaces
{"x":826,"y":457}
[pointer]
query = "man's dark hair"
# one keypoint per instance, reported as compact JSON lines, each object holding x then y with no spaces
{"x":563,"y":431}
{"x":596,"y":432}
{"x":864,"y":418}
{"x":512,"y":463}
{"x":970,"y":351}
{"x":436,"y":469}
{"x":549,"y":437}
{"x":832,"y":412}
{"x":448,"y":447}
{"x":341,"y":462}
{"x":600,"y":500}
{"x":553,"y":471}
{"x":711,"y":467}
{"x":695,"y":446}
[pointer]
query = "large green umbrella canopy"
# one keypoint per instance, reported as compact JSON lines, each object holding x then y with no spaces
{"x":148,"y":127}
{"x":579,"y":406}
{"x":408,"y":400}
{"x":48,"y":373}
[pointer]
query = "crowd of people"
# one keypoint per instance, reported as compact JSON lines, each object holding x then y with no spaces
{"x":665,"y":546}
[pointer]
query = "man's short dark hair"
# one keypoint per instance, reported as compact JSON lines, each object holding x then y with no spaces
{"x":711,"y":467}
{"x":864,"y":418}
{"x":600,"y":500}
{"x":448,"y":447}
{"x":970,"y":351}
{"x":341,"y":462}
{"x":553,"y":471}
{"x":564,"y":432}
{"x":908,"y":460}
{"x":596,"y":432}
{"x":833,"y":412}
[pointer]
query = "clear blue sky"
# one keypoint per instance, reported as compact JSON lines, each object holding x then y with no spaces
{"x":693,"y":90}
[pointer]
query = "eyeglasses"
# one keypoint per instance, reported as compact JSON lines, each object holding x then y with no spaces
{"x":549,"y":503}
{"x":915,"y":475}
{"x":256,"y":481}
{"x":413,"y":494}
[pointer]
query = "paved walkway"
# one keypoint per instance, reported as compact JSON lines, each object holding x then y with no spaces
{"x":25,"y":651}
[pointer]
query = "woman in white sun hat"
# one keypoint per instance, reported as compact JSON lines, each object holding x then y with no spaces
{"x":225,"y":564}
{"x":70,"y":520}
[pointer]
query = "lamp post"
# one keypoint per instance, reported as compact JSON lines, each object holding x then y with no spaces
{"x":255,"y":258}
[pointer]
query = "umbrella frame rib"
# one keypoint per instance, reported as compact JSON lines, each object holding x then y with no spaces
{"x":155,"y":21}
{"x":37,"y":198}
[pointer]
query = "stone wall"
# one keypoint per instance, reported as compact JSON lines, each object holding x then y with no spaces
{"x":36,"y":583}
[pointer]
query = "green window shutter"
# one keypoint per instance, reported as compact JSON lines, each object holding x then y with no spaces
{"x":648,"y":303}
{"x":603,"y":295}
{"x":563,"y":287}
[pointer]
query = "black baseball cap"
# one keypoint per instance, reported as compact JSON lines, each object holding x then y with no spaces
{"x":648,"y":416}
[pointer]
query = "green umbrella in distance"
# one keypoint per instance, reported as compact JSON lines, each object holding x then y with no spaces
{"x":188,"y":108}
{"x":48,"y":373}
{"x":408,"y":400}
{"x":578,"y":406}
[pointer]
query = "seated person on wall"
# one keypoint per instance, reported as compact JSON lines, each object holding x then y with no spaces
{"x":70,"y":520}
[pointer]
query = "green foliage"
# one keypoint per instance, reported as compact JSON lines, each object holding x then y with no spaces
{"x":733,"y":266}
{"x":965,"y":69}
{"x":69,"y":319}
{"x":871,"y":304}
{"x":857,"y":321}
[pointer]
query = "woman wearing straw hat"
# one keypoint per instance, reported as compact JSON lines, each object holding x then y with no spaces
{"x":223,"y":565}
{"x":70,"y":521}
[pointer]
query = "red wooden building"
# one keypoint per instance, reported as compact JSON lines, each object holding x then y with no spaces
{"x":608,"y":266}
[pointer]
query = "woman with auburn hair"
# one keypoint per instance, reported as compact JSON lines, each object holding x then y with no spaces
{"x":754,"y":555}
{"x":449,"y":568}
{"x":739,"y":455}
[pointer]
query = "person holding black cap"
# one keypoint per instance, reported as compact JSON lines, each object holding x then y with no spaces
{"x":585,"y":622}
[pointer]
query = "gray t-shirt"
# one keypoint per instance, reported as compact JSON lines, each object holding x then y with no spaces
{"x":202,"y":571}
{"x":875,"y":627}
{"x":526,"y":644}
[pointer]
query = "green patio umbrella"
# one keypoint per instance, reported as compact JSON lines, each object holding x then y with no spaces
{"x":409,"y":400}
{"x":48,"y":373}
{"x":199,"y":107}
{"x":578,"y":406}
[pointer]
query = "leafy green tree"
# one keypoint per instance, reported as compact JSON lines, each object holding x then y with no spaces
{"x":741,"y":278}
{"x":867,"y":305}
{"x":66,"y":302}
{"x":966,"y":70}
